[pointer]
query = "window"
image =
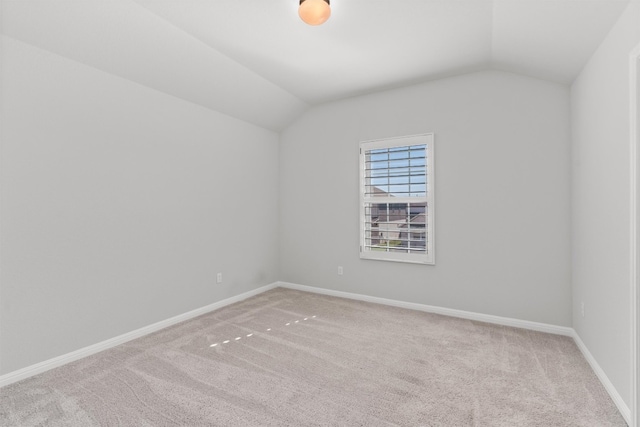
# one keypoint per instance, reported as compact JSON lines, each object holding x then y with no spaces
{"x":396,"y":199}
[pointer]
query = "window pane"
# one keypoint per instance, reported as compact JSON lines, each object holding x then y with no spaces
{"x":395,"y":227}
{"x":418,"y":151}
{"x":418,"y":190}
{"x":417,"y":162}
{"x":399,"y":154}
{"x":394,"y":171}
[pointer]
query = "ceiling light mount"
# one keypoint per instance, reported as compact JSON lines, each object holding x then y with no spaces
{"x":314,"y":12}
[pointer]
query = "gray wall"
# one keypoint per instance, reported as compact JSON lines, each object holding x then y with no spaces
{"x":601,"y":202}
{"x":119,"y":205}
{"x":502,"y":196}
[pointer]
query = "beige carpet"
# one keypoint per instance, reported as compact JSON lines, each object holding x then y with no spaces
{"x":300,"y":359}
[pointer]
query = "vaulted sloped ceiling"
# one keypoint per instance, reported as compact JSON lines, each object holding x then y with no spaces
{"x":256,"y":61}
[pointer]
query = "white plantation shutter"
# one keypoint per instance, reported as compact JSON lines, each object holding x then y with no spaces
{"x":396,"y":199}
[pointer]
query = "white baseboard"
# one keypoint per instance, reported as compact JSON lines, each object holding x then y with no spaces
{"x":41,"y":367}
{"x":505,"y":321}
{"x":615,"y":396}
{"x":487,"y":318}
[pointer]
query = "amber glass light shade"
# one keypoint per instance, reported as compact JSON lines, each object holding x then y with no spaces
{"x":314,"y":12}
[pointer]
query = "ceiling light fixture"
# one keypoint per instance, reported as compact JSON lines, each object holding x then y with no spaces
{"x":314,"y":12}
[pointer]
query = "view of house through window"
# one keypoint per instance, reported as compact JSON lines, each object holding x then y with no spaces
{"x":397,"y":199}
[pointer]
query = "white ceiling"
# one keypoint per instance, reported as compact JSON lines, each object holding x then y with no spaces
{"x":257,"y":61}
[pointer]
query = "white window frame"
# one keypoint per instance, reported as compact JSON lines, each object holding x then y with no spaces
{"x":423,"y":139}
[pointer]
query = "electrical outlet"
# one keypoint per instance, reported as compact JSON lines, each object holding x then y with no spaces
{"x":219,"y":278}
{"x":582,"y":308}
{"x":340,"y":270}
